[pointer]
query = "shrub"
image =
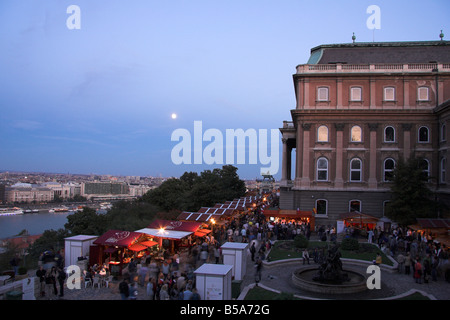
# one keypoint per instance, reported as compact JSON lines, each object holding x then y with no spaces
{"x":300,"y":241}
{"x":350,"y":244}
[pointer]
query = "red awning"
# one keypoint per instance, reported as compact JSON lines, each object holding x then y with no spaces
{"x":137,"y":247}
{"x":175,"y":225}
{"x":117,"y":238}
{"x":202,"y":232}
{"x":149,"y":243}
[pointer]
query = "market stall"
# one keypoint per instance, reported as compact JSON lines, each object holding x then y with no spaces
{"x":172,"y":234}
{"x":357,"y":220}
{"x":288,"y":216}
{"x":115,"y":248}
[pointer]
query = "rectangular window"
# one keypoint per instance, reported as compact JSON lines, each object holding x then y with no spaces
{"x":322,"y":94}
{"x":422,"y":94}
{"x":389,"y":94}
{"x":355,"y":94}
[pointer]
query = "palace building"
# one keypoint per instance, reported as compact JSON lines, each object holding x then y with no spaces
{"x":360,"y":107}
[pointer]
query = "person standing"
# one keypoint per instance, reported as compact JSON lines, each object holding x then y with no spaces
{"x":253,"y":251}
{"x":124,"y":290}
{"x":61,"y":278}
{"x":41,"y":275}
{"x":258,"y":271}
{"x":408,"y":264}
{"x":401,"y":263}
{"x":418,"y":271}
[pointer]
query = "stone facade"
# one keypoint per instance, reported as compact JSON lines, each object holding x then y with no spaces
{"x":355,"y":119}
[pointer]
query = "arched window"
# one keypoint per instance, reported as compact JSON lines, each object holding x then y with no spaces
{"x":443,"y":132}
{"x":424,"y":164}
{"x":389,"y":165}
{"x":424,"y":135}
{"x":389,"y":134}
{"x":354,"y":205}
{"x":322,"y":169}
{"x":322,"y":134}
{"x":356,"y":134}
{"x":321,"y":206}
{"x":355,"y":170}
{"x":443,"y":170}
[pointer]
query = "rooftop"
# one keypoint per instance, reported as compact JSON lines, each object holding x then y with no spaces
{"x":381,"y":52}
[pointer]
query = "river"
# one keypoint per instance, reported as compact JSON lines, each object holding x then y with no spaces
{"x":37,"y":223}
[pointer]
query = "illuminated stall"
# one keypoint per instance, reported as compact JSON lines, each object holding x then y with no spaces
{"x":115,"y":248}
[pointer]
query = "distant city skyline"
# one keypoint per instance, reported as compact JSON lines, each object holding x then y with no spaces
{"x":100,"y":99}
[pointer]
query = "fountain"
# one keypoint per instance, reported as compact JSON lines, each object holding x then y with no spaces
{"x":330,"y":277}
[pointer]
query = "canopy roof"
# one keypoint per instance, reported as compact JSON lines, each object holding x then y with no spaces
{"x":289,"y":214}
{"x":118,"y":238}
{"x":434,"y":223}
{"x":172,"y":225}
{"x":359,"y":217}
{"x":165,"y":233}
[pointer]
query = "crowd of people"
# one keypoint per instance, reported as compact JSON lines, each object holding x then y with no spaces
{"x":417,"y":253}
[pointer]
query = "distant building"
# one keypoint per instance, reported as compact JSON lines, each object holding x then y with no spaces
{"x":104,"y":190}
{"x":360,"y":107}
{"x":31,"y":194}
{"x":2,"y":194}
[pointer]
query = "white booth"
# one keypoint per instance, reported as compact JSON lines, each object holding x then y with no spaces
{"x":77,"y":246}
{"x":235,"y":254}
{"x":213,"y":281}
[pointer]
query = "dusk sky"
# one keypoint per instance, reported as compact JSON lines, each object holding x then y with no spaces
{"x":99,"y":99}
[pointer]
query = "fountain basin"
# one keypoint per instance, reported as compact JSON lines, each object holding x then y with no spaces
{"x":303,"y":279}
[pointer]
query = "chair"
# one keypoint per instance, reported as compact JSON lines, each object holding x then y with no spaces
{"x":108,"y":280}
{"x":96,"y":281}
{"x":87,"y":282}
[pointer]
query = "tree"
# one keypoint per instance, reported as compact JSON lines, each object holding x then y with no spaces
{"x":192,"y":191}
{"x":86,"y":222}
{"x":411,"y":197}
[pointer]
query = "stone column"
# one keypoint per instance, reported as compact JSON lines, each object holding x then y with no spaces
{"x":306,"y":93}
{"x":284,"y":161}
{"x":305,"y":180}
{"x":338,"y":180}
{"x":406,"y":140}
{"x":373,"y":100}
{"x":339,"y":93}
{"x":298,"y":156}
{"x":373,"y":156}
{"x":406,"y":94}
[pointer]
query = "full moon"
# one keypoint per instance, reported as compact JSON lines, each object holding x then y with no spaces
{"x":174,"y":115}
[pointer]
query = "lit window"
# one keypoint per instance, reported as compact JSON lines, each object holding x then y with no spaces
{"x":389,"y":94}
{"x":322,"y":134}
{"x":355,"y":205}
{"x":322,"y":94}
{"x":423,"y":134}
{"x":321,"y":206}
{"x":356,"y":134}
{"x":389,"y":134}
{"x":422,"y":94}
{"x":322,"y":169}
{"x":389,"y":165}
{"x":355,"y":170}
{"x":355,"y":94}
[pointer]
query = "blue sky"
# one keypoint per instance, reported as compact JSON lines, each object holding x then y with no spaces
{"x":99,"y":99}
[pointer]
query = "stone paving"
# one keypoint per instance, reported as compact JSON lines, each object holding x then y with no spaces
{"x":278,"y":278}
